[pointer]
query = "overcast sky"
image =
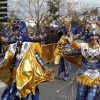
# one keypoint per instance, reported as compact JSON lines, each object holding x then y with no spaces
{"x":97,"y":2}
{"x":91,"y":2}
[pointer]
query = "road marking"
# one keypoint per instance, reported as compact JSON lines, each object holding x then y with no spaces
{"x":2,"y":85}
{"x":64,"y":96}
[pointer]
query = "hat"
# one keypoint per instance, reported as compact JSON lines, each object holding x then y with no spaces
{"x":94,"y":33}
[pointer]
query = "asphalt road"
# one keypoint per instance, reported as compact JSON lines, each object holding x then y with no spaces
{"x":48,"y":90}
{"x":51,"y":88}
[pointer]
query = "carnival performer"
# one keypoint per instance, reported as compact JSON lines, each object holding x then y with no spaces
{"x":86,"y":55}
{"x":65,"y":40}
{"x":64,"y":65}
{"x":22,"y":68}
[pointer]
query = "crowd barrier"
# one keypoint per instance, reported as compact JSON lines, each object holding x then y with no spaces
{"x":48,"y":52}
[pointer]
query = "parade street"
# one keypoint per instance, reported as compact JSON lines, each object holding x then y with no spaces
{"x":48,"y":90}
{"x":49,"y":49}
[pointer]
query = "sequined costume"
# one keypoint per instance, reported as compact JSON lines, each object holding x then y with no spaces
{"x":88,"y":79}
{"x":86,"y":56}
{"x":89,"y":75}
{"x":22,"y":69}
{"x":64,"y":65}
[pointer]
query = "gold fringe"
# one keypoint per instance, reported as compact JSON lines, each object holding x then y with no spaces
{"x":49,"y":74}
{"x":85,"y":80}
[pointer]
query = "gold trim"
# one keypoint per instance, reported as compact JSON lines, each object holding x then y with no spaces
{"x":94,"y":46}
{"x":85,"y":80}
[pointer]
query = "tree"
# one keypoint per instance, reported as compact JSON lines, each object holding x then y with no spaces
{"x":74,"y":9}
{"x":75,"y":19}
{"x":94,"y":11}
{"x":35,"y":10}
{"x":53,"y":8}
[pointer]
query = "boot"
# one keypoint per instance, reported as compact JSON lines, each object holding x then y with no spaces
{"x":35,"y":97}
{"x":66,"y":77}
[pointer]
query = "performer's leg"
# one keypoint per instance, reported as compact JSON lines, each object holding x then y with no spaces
{"x":10,"y":93}
{"x":67,"y":70}
{"x":61,"y":66}
{"x":66,"y":76}
{"x":81,"y":92}
{"x":92,"y":92}
{"x":36,"y":96}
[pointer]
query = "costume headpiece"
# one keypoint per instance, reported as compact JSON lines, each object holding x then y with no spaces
{"x":18,"y":28}
{"x":93,"y":33}
{"x":91,"y":26}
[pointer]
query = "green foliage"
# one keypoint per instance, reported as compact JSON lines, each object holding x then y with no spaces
{"x":53,"y":8}
{"x":94,"y":11}
{"x":55,"y":16}
{"x":75,"y":19}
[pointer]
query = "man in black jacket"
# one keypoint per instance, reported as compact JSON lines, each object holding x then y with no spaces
{"x":58,"y":32}
{"x":51,"y":37}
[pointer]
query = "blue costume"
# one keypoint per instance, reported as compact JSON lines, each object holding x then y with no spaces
{"x":22,"y":68}
{"x":89,"y":73}
{"x":64,"y":65}
{"x":86,"y":56}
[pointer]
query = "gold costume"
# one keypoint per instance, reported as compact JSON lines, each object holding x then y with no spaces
{"x":59,"y":49}
{"x":76,"y":60}
{"x":29,"y":72}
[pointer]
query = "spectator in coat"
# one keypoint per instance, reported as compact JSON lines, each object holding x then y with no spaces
{"x":51,"y":37}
